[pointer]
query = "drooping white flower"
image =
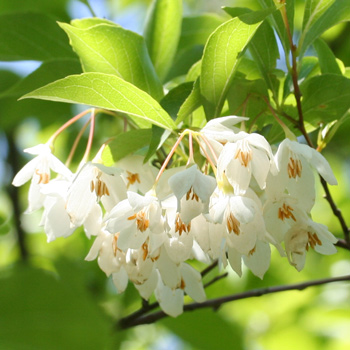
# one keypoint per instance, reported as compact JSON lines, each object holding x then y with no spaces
{"x":137,"y":175}
{"x":218,"y":132}
{"x":250,"y":155}
{"x":38,"y":170}
{"x":93,"y":183}
{"x":55,"y":218}
{"x":290,"y":156}
{"x":306,"y":234}
{"x":241,"y":217}
{"x":192,"y":189}
{"x":137,"y":219}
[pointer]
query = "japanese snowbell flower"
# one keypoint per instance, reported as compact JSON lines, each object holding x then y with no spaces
{"x":250,"y":155}
{"x":241,"y":217}
{"x":93,"y":183}
{"x":290,"y":156}
{"x":219,"y":131}
{"x":137,"y":218}
{"x":138,"y":176}
{"x":55,"y":219}
{"x":38,"y":170}
{"x":192,"y":189}
{"x":306,"y":234}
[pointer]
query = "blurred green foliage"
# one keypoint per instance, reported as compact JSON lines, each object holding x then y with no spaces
{"x":53,"y":299}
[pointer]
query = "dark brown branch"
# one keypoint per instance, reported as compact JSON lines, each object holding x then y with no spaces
{"x":14,"y":194}
{"x":218,"y":302}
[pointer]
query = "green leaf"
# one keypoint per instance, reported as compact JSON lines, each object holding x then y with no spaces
{"x":327,"y":60}
{"x":111,"y":49}
{"x":338,"y":12}
{"x":162,"y":33}
{"x":277,"y":23}
{"x":220,"y":59}
{"x":325,"y":98}
{"x":184,"y":61}
{"x":106,"y":91}
{"x":127,"y":143}
{"x":175,"y":98}
{"x":48,"y":312}
{"x":309,"y":67}
{"x":55,"y":8}
{"x":265,"y":59}
{"x":90,"y":22}
{"x":313,"y":10}
{"x":246,"y":97}
{"x":197,"y":29}
{"x":211,"y":331}
{"x":158,"y":137}
{"x":48,"y":72}
{"x":32,"y":36}
{"x":192,"y":102}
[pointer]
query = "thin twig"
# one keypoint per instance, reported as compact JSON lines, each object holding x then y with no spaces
{"x":216,"y":303}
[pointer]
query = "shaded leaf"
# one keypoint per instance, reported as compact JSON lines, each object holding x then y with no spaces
{"x":327,"y":60}
{"x":162,"y":33}
{"x":128,"y":142}
{"x":109,"y":92}
{"x":40,"y":309}
{"x":338,"y":12}
{"x":48,"y":72}
{"x":192,"y":102}
{"x":32,"y":36}
{"x":325,"y":98}
{"x":277,"y":23}
{"x":197,"y":29}
{"x":111,"y":49}
{"x":173,"y":100}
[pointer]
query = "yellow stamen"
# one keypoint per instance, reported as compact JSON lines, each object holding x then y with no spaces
{"x":180,"y":226}
{"x":286,"y":212}
{"x":132,"y":178}
{"x":232,"y":224}
{"x":141,"y":221}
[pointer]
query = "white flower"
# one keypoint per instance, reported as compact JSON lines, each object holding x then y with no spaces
{"x":38,"y":169}
{"x":94,"y":182}
{"x":250,"y":155}
{"x":306,"y":234}
{"x":55,"y":219}
{"x":137,"y":175}
{"x":137,"y":218}
{"x":173,"y":281}
{"x":290,"y":155}
{"x":110,"y":257}
{"x":218,"y":132}
{"x":241,"y":217}
{"x":192,"y":189}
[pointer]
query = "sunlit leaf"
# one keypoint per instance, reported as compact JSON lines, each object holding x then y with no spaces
{"x":111,"y":49}
{"x":220,"y":59}
{"x":106,"y":91}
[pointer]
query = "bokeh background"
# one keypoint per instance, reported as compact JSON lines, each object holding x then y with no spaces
{"x":50,"y":298}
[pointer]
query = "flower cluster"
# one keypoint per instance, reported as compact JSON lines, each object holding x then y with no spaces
{"x":149,"y":223}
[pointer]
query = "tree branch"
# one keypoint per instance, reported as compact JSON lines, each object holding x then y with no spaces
{"x":129,"y":322}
